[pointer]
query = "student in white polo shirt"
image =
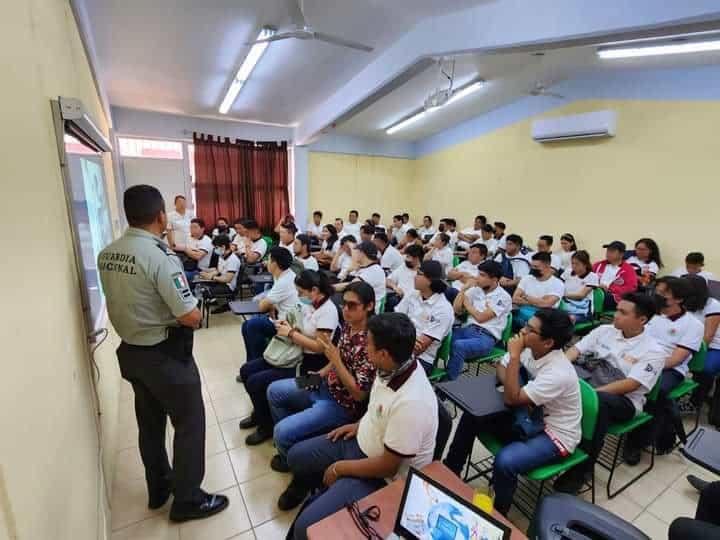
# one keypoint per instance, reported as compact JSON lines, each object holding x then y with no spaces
{"x":315,"y":227}
{"x":627,"y":347}
{"x":500,"y":234}
{"x":286,"y":236}
{"x":398,"y":229}
{"x":553,"y":385}
{"x":379,"y":227}
{"x":342,"y":260}
{"x":464,"y":272}
{"x":679,"y":335}
{"x":402,"y":280}
{"x":646,"y":261}
{"x":580,"y":282}
{"x":544,"y":245}
{"x":352,"y":226}
{"x":222,"y":281}
{"x":222,"y":226}
{"x":255,"y":246}
{"x":707,"y":311}
{"x":440,"y":251}
{"x":694,"y":263}
{"x":366,"y":267}
{"x":427,"y":228}
{"x":391,"y":258}
{"x":429,"y":311}
{"x":178,"y":224}
{"x":539,"y":289}
{"x":281,"y":298}
{"x":516,"y":264}
{"x":240,"y":239}
{"x":568,"y":247}
{"x":398,"y":430}
{"x":471,"y":234}
{"x":487,"y":306}
{"x":199,"y":248}
{"x":301,"y":249}
{"x":487,"y":238}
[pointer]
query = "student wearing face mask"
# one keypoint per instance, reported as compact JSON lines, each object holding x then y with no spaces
{"x":222,"y":227}
{"x":223,"y":279}
{"x":487,"y":306}
{"x":539,"y":289}
{"x":402,"y":280}
{"x":301,"y":248}
{"x":319,"y":320}
{"x":300,"y":413}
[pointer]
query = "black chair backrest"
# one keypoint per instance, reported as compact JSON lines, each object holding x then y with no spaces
{"x":443,"y":432}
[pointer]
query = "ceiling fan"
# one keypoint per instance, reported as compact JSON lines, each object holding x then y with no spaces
{"x":302,"y":30}
{"x":539,"y":89}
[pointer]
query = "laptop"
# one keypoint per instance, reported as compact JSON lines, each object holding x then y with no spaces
{"x":429,"y":511}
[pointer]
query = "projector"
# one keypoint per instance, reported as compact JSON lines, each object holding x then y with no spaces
{"x":437,"y":99}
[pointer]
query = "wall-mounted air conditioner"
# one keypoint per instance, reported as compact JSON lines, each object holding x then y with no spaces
{"x":577,"y":126}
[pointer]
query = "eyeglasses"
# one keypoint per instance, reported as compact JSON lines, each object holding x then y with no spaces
{"x":350,"y":304}
{"x":530,"y":330}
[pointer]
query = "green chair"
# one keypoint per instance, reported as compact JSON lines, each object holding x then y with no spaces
{"x":381,"y":307}
{"x":598,"y":300}
{"x":696,"y":366}
{"x":497,"y":352}
{"x":438,"y":373}
{"x":620,"y":431}
{"x":542,"y":474}
{"x":456,"y":261}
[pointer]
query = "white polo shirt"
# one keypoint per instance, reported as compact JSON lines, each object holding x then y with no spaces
{"x":532,"y":286}
{"x":711,"y":309}
{"x":684,"y":331}
{"x":466,"y":267}
{"x":179,"y":224}
{"x":240,"y":242}
{"x":491,"y":245}
{"x":498,"y":300}
{"x":288,"y":247}
{"x":682,"y":271}
{"x":404,"y":278}
{"x":230,"y":264}
{"x":555,"y":385}
{"x":643,"y":267}
{"x":259,"y":246}
{"x":352,"y":228}
{"x":609,"y":274}
{"x":315,"y":229}
{"x":565,"y":259}
{"x":520,"y":264}
{"x":432,"y":317}
{"x":640,"y":358}
{"x":283,"y":294}
{"x":574,"y":284}
{"x":344,"y":261}
{"x":392,"y":258}
{"x":502,"y":242}
{"x":202,"y":244}
{"x":424,"y":231}
{"x":403,"y":420}
{"x":399,"y":233}
{"x":310,"y":263}
{"x":445,"y":257}
{"x":323,"y":318}
{"x":374,"y":276}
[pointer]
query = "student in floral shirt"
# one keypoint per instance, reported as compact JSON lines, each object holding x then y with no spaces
{"x":342,"y":395}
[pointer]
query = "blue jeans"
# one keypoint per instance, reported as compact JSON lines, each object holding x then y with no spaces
{"x":308,"y":459}
{"x":256,"y":333}
{"x":467,"y":342}
{"x":299,"y":414}
{"x":517,"y":457}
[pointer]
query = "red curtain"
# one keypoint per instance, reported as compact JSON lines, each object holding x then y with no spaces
{"x":241,"y":179}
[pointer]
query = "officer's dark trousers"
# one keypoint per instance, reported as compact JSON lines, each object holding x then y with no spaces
{"x":167,"y":383}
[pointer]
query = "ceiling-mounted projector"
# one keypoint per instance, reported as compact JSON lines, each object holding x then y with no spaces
{"x":437,"y":99}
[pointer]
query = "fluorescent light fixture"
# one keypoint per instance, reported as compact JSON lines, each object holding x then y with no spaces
{"x":242,"y":75}
{"x":657,"y":50}
{"x":458,"y":95}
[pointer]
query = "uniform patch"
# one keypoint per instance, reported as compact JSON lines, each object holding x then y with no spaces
{"x":181,"y":285}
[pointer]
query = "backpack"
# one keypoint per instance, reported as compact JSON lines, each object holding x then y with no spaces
{"x":507,"y":269}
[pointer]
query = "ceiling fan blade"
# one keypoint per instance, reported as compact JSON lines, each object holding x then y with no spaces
{"x":342,"y":42}
{"x":281,"y":36}
{"x":296,"y":13}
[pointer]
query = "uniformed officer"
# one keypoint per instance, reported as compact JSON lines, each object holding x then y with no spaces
{"x":152,"y":309}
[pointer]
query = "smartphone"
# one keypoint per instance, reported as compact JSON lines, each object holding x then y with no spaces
{"x":309,"y":381}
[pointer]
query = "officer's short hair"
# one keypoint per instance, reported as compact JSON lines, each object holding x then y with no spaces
{"x":281,"y":257}
{"x":221,"y":240}
{"x":142,"y":204}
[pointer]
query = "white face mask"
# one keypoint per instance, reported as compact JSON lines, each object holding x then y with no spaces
{"x":219,"y":251}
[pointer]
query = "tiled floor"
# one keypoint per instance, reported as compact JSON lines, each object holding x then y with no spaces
{"x":244,"y":474}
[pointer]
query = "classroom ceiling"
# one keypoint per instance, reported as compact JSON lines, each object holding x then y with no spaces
{"x":178,"y":56}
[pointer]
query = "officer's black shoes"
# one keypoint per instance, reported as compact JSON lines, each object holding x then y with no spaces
{"x":292,"y":496}
{"x":221,"y":309}
{"x":207,"y":506}
{"x":158,"y":498}
{"x":697,"y":483}
{"x":249,"y":422}
{"x":279,"y":464}
{"x":259,"y":436}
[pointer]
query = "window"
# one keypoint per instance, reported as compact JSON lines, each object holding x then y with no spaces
{"x":148,"y":148}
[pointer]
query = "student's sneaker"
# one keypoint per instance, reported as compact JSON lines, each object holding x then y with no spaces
{"x":293,"y":496}
{"x":207,"y":505}
{"x":279,"y":464}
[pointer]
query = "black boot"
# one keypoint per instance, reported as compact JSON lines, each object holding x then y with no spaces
{"x":279,"y":464}
{"x":249,"y":422}
{"x":207,"y":505}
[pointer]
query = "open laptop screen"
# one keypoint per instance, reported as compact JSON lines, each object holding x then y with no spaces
{"x":428,"y":511}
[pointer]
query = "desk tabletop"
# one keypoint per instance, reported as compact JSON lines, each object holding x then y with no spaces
{"x":475,"y":395}
{"x":340,"y":525}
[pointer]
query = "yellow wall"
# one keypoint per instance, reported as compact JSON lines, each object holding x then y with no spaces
{"x":49,"y":470}
{"x":341,"y":182}
{"x":658,"y":177}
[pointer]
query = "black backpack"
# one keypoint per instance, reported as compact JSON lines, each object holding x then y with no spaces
{"x":507,"y":269}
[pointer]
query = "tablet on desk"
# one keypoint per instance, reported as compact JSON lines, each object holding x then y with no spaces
{"x":428,"y":511}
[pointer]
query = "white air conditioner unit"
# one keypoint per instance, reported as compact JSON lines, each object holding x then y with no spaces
{"x":577,"y":126}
